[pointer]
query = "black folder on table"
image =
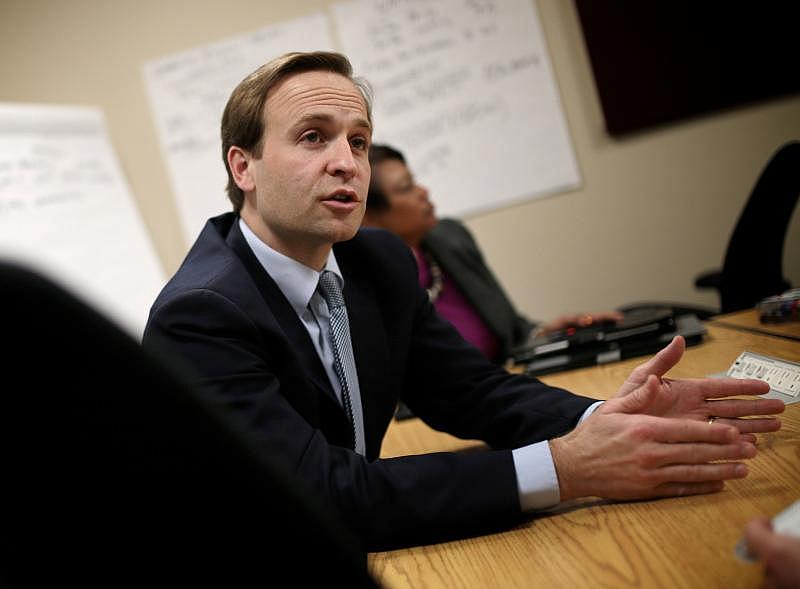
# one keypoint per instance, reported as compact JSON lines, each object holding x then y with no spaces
{"x":640,"y":333}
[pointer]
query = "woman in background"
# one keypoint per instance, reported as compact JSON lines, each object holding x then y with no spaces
{"x":451,"y":266}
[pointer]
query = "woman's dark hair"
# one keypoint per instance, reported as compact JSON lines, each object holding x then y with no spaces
{"x":376,"y":198}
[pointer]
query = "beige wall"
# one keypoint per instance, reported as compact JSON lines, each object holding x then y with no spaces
{"x":653,"y":210}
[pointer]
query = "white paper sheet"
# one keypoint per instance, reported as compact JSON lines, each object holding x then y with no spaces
{"x":465,"y":89}
{"x":67,"y":212}
{"x":188,"y":92}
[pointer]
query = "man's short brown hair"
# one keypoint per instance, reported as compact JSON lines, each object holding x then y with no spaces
{"x":243,"y":118}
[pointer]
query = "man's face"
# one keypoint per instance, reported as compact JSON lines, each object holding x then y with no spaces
{"x":411,"y":214}
{"x":310,"y":183}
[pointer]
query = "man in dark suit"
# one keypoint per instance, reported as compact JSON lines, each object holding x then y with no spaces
{"x":256,"y":309}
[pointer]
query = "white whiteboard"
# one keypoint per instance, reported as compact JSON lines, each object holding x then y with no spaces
{"x":67,"y":212}
{"x":188,"y":92}
{"x":466,"y":90}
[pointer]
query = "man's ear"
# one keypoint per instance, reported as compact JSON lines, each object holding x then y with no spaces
{"x":240,"y":165}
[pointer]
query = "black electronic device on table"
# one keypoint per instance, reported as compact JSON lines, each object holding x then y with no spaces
{"x":635,"y":324}
{"x":639,"y":334}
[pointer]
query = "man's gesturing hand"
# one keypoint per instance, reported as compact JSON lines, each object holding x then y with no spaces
{"x":654,"y":439}
{"x":700,"y":399}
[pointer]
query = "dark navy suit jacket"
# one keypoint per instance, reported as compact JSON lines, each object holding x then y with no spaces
{"x":226,"y":316}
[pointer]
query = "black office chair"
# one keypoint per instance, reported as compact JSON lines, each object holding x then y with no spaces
{"x":116,"y":473}
{"x":753,"y":266}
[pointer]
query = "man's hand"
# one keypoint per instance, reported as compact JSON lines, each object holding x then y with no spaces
{"x":655,"y":438}
{"x":701,"y":399}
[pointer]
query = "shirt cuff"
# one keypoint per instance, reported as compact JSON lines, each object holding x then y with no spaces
{"x":537,"y":481}
{"x":589,"y":410}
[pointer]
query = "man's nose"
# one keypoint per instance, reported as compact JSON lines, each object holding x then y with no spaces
{"x":342,"y":161}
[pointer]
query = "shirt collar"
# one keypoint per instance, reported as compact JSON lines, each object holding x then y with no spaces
{"x":297,"y":281}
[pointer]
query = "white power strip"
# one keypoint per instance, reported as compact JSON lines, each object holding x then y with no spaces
{"x":783,"y":376}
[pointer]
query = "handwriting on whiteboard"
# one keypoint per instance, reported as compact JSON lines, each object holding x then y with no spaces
{"x":465,"y":89}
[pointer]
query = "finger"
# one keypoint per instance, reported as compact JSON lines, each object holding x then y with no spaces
{"x":604,"y":316}
{"x":664,"y":360}
{"x":752,"y":426}
{"x":693,"y":453}
{"x":683,"y":489}
{"x":717,"y":388}
{"x":701,"y":473}
{"x":749,"y":438}
{"x":688,"y":430}
{"x":759,"y":536}
{"x":637,"y":401}
{"x":745,"y":407}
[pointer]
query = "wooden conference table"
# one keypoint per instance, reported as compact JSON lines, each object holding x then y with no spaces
{"x":749,"y":321}
{"x":676,"y":542}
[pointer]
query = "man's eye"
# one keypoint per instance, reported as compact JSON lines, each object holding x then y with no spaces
{"x":312,"y":137}
{"x":359,"y":143}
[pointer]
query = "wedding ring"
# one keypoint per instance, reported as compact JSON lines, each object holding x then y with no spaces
{"x":712,"y":419}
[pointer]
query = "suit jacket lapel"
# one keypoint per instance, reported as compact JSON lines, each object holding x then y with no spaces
{"x":284,"y":313}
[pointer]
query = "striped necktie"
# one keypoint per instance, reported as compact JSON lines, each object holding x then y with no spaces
{"x":344,"y":363}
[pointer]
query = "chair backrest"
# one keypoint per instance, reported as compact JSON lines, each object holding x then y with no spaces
{"x":117,"y":473}
{"x":753,"y":262}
